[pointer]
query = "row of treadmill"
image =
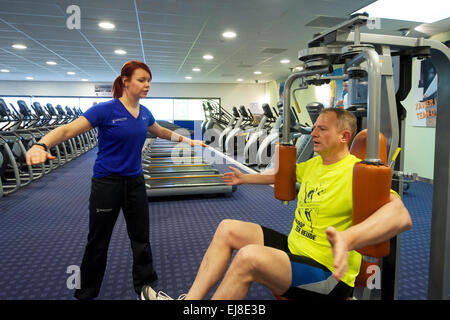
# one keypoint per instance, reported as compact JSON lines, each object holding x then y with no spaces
{"x":170,"y":169}
{"x":252,"y":141}
{"x":20,"y":127}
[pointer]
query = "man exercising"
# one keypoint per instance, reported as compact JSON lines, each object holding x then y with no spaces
{"x":317,"y":259}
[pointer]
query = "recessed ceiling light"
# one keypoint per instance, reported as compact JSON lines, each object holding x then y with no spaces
{"x":285,"y":61}
{"x":240,"y":80}
{"x":208,"y":57}
{"x":188,"y":78}
{"x":106,"y":25}
{"x":257,"y":72}
{"x":52,"y":63}
{"x":229,"y":34}
{"x":29,"y":78}
{"x":19,"y":46}
{"x":71,"y":73}
{"x":4,"y":70}
{"x":84,"y":80}
{"x":120,"y":51}
{"x":196,"y":69}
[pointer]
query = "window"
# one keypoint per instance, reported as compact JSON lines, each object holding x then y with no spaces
{"x":86,"y":103}
{"x":168,"y":109}
{"x":162,"y":109}
{"x":188,"y":109}
{"x":69,"y":102}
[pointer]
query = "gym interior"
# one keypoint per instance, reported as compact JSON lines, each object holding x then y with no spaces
{"x":240,"y":76}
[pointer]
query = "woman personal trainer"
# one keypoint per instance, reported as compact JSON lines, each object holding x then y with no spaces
{"x":117,"y":182}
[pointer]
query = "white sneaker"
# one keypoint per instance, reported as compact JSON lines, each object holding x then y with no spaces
{"x":148,"y":293}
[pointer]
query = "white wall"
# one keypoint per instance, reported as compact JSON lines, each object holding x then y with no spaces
{"x":419,"y":141}
{"x":230,"y":94}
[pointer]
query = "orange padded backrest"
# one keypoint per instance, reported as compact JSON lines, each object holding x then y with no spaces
{"x":371,"y":190}
{"x":359,"y":146}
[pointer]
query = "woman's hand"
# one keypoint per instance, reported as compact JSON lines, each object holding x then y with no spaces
{"x":37,"y":155}
{"x":194,"y":143}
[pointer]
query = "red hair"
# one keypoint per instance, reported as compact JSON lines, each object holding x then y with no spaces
{"x":127,"y":71}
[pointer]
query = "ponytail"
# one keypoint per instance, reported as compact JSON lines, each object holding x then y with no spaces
{"x":117,"y":88}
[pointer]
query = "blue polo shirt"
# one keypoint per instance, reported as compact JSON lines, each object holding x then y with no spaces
{"x":120,"y":138}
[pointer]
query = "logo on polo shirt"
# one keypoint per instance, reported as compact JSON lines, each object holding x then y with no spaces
{"x":119,"y":119}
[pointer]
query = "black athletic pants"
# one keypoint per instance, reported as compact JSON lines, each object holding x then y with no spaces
{"x":108,"y":196}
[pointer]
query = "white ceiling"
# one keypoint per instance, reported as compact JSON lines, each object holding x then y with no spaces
{"x":171,"y":36}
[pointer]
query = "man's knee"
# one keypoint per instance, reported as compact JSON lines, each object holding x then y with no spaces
{"x":225,"y":230}
{"x":248,"y":259}
{"x":237,"y":234}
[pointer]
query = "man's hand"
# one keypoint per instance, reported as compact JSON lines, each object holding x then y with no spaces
{"x":37,"y":155}
{"x":340,"y":252}
{"x":233,"y":178}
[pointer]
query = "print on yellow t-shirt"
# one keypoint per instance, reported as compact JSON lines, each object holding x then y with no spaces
{"x":324,"y":199}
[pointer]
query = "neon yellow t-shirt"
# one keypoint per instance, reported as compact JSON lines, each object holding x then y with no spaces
{"x":325,"y":199}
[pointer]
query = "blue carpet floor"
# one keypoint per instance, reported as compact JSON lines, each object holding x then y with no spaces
{"x":43,"y":231}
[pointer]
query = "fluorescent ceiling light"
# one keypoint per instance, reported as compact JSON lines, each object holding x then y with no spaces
{"x":285,"y":61}
{"x":106,"y":25}
{"x":4,"y":70}
{"x":19,"y":46}
{"x":188,"y":78}
{"x":84,"y":80}
{"x":240,"y":80}
{"x":409,"y":10}
{"x":71,"y":73}
{"x":208,"y":57}
{"x":120,"y":51}
{"x":229,"y":34}
{"x":29,"y":78}
{"x":196,"y":69}
{"x":52,"y":63}
{"x":257,"y":72}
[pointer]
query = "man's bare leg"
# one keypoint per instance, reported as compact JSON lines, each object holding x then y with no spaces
{"x":255,"y":263}
{"x":230,"y":235}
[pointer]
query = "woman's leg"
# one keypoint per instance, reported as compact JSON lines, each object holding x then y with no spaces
{"x":136,"y":213}
{"x":104,"y":207}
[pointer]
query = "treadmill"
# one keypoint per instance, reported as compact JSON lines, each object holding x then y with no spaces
{"x":155,"y":161}
{"x":173,"y":176}
{"x":166,"y":149}
{"x":186,"y":185}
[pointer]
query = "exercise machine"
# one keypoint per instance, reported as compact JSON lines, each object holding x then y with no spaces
{"x":255,"y":138}
{"x":369,"y":58}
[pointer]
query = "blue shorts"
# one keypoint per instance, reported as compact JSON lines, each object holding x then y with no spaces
{"x":310,"y":279}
